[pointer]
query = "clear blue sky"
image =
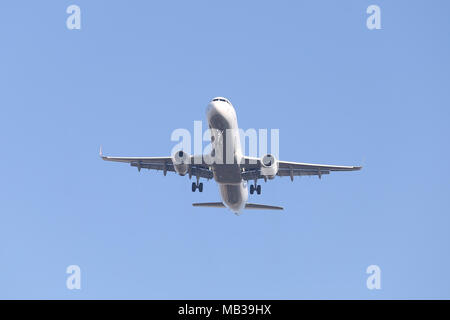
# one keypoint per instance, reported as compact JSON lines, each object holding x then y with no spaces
{"x":338,"y":92}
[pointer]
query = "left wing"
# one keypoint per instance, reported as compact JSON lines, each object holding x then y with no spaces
{"x":252,"y":169}
{"x":196,"y":168}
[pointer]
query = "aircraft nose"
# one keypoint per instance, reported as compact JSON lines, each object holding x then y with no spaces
{"x":212,"y":109}
{"x":218,"y":115}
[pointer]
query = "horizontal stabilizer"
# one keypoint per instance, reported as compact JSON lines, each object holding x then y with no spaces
{"x":261,"y":206}
{"x":247,"y":206}
{"x":209,"y":204}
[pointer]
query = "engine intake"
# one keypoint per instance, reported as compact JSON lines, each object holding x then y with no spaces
{"x":269,"y":166}
{"x":181,"y":161}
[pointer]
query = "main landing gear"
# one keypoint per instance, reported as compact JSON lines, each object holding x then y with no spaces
{"x":198,"y":186}
{"x":255,"y":187}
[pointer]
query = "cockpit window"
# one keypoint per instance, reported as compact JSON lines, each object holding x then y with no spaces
{"x":221,"y":99}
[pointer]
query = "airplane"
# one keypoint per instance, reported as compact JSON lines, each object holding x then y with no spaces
{"x":231,"y":175}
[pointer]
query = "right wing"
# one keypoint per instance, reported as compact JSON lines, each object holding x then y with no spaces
{"x":196,"y":167}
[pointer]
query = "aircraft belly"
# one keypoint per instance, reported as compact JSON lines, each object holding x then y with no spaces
{"x":227,"y":173}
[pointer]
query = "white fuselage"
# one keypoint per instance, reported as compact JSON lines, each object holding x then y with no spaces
{"x":227,"y":152}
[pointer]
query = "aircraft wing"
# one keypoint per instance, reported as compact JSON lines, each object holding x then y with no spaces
{"x":165,"y":164}
{"x":252,"y":169}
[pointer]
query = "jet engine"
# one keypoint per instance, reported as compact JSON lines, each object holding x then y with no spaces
{"x":269,"y":166}
{"x":181,"y":160}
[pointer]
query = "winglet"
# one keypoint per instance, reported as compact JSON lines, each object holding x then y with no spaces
{"x":101,"y":153}
{"x":363,"y":162}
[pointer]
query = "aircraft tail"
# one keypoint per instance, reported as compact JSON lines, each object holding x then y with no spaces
{"x":247,"y":206}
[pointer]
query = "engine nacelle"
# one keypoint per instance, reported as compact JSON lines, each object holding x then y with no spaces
{"x":269,"y":166}
{"x":181,"y":161}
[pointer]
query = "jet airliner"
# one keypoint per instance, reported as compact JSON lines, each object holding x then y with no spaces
{"x":227,"y":164}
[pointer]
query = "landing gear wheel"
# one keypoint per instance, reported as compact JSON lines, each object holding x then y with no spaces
{"x":252,"y":189}
{"x":194,"y":186}
{"x":258,"y":189}
{"x":200,"y":187}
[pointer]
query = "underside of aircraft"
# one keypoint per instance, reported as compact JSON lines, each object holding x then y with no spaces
{"x":231,"y":175}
